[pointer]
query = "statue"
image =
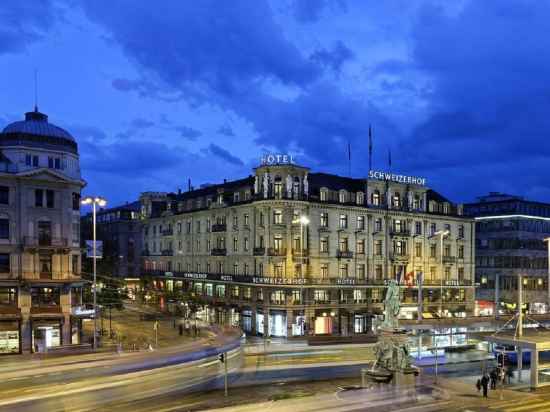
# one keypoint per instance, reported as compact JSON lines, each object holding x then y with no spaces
{"x":306,"y":185}
{"x":256,"y":185}
{"x":391,"y":306}
{"x":266,"y":184}
{"x":289,"y":186}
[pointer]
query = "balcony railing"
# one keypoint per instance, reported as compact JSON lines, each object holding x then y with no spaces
{"x":449,"y":259}
{"x":44,"y":241}
{"x":402,"y":232}
{"x":218,"y":252}
{"x":399,"y":257}
{"x":300,"y":253}
{"x":219,"y":227}
{"x":167,"y":252}
{"x":344,"y":254}
{"x":276,"y":251}
{"x":259,"y":251}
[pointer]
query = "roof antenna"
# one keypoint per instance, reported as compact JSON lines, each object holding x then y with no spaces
{"x":36,"y":90}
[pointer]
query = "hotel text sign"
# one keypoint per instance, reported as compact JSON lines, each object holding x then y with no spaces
{"x":391,"y":177}
{"x":277,"y":159}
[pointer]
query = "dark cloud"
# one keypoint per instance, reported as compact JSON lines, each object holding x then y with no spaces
{"x":335,"y":58}
{"x":309,"y":11}
{"x":188,"y":132}
{"x":24,"y":22}
{"x":226,"y":130}
{"x":224,"y":154}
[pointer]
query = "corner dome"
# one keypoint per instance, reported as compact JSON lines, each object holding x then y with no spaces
{"x":35,"y":131}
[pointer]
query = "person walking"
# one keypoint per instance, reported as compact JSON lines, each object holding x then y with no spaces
{"x":485,"y":384}
{"x":478,"y":385}
{"x":493,"y":377}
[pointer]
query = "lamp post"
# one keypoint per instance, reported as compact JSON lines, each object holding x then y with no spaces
{"x":547,"y":240}
{"x":101,"y":202}
{"x":441,"y":234}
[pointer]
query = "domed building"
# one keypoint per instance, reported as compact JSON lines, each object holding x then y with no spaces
{"x":40,"y":284}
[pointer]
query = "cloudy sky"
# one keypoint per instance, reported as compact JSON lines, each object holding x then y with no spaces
{"x":159,"y":92}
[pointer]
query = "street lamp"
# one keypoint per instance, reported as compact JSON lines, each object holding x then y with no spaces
{"x":547,"y":240}
{"x":101,"y":202}
{"x":441,"y":234}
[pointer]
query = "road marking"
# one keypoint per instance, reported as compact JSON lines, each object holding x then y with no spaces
{"x":538,"y":407}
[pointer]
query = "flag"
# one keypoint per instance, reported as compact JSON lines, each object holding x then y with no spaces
{"x":370,"y":141}
{"x":409,"y":279}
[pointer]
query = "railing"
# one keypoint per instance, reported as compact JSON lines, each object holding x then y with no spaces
{"x":219,"y":227}
{"x":167,"y":232}
{"x":276,"y":251}
{"x":167,"y":252}
{"x":344,"y":254}
{"x":300,"y":253}
{"x":449,"y":259}
{"x":402,"y":232}
{"x":398,"y":257}
{"x":259,"y":251}
{"x":218,"y":252}
{"x":44,"y":241}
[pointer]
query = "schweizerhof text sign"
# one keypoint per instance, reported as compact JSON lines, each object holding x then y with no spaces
{"x":392,"y":177}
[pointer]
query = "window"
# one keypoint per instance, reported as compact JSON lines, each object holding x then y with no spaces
{"x":208,"y":224}
{"x":49,"y":199}
{"x":235,"y":244}
{"x":4,"y":228}
{"x":461,"y":275}
{"x":278,"y":243}
{"x":360,"y":246}
{"x":198,"y":224}
{"x":378,"y":272}
{"x":416,"y":202}
{"x":343,"y":221}
{"x":245,"y":269}
{"x":324,"y":195}
{"x":342,"y":196}
{"x":76,"y":201}
{"x":261,"y":219}
{"x":50,"y":162}
{"x":360,"y":222}
{"x":447,"y":250}
{"x":447,"y":272}
{"x":45,"y":266}
{"x":278,"y":187}
{"x":399,"y":248}
{"x":323,"y":245}
{"x":296,"y":297}
{"x":35,"y":161}
{"x":38,"y":197}
{"x":235,"y":269}
{"x":418,"y":250}
{"x":398,"y":226}
{"x":448,"y":227}
{"x":324,"y":219}
{"x":378,"y":225}
{"x":246,"y":219}
{"x":460,"y":251}
{"x":321,"y":296}
{"x":344,"y":270}
{"x":246,"y":244}
{"x":418,"y":228}
{"x":278,"y":269}
{"x":4,"y":195}
{"x":8,"y":296}
{"x":278,"y":297}
{"x":235,"y":221}
{"x":378,"y":248}
{"x":208,"y":289}
{"x":28,"y":160}
{"x":433,"y":229}
{"x":236,"y":197}
{"x":360,"y":198}
{"x":74,"y":264}
{"x":361,"y":271}
{"x":343,"y":244}
{"x":324,"y":270}
{"x":396,"y":200}
{"x":278,"y":217}
{"x":44,"y":297}
{"x":57,"y":163}
{"x":432,"y":250}
{"x":260,"y":269}
{"x":461,"y":231}
{"x":4,"y":263}
{"x":375,"y":198}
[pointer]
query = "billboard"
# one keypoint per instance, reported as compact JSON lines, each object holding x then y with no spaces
{"x":90,"y":249}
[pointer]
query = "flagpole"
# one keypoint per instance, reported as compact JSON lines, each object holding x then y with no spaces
{"x":349,"y":159}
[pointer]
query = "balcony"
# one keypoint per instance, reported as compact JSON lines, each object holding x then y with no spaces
{"x":219,"y":227}
{"x":167,"y":252}
{"x":167,"y":232}
{"x":259,"y":251}
{"x":449,"y":259}
{"x":44,"y":241}
{"x":300,"y":253}
{"x":397,"y":257}
{"x":276,"y":251}
{"x":344,"y":254}
{"x":218,"y":252}
{"x":401,"y":233}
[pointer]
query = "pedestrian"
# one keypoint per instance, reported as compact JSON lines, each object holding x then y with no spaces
{"x":485,"y":384}
{"x":493,"y":377}
{"x":478,"y":385}
{"x":509,"y":373}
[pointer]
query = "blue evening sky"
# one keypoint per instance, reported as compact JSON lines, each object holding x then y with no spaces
{"x":157,"y":92}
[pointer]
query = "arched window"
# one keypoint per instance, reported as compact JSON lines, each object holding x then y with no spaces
{"x":278,"y":187}
{"x":324,"y":195}
{"x":375,"y":198}
{"x":342,"y":196}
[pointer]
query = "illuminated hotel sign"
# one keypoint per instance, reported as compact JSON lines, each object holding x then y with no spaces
{"x":277,"y":159}
{"x":391,"y":177}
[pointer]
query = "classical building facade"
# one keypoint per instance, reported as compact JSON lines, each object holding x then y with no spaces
{"x":40,"y":286}
{"x":288,"y":252}
{"x":119,"y":228}
{"x":510,"y":233}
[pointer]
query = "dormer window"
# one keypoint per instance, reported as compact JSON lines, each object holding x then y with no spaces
{"x":324,"y":195}
{"x":396,"y":200}
{"x":375,"y":198}
{"x":342,"y":196}
{"x":360,"y":198}
{"x":278,"y":187}
{"x":416,"y":202}
{"x":236,"y":197}
{"x":446,"y":208}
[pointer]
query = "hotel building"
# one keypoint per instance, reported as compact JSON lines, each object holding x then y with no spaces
{"x":287,"y":252}
{"x":510,"y":233}
{"x":40,"y":285}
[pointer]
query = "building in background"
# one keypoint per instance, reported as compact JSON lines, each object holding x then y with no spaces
{"x":119,"y":228}
{"x":40,"y":284}
{"x":287,"y":252}
{"x":510,"y":233}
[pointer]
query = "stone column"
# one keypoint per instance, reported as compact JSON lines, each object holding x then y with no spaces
{"x":289,"y":322}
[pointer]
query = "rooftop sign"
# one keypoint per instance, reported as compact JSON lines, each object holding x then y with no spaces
{"x":391,"y":177}
{"x":277,"y":159}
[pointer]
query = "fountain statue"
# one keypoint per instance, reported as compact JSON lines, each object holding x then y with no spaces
{"x":392,"y":349}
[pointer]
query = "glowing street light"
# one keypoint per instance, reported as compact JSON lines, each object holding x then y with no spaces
{"x":101,"y":202}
